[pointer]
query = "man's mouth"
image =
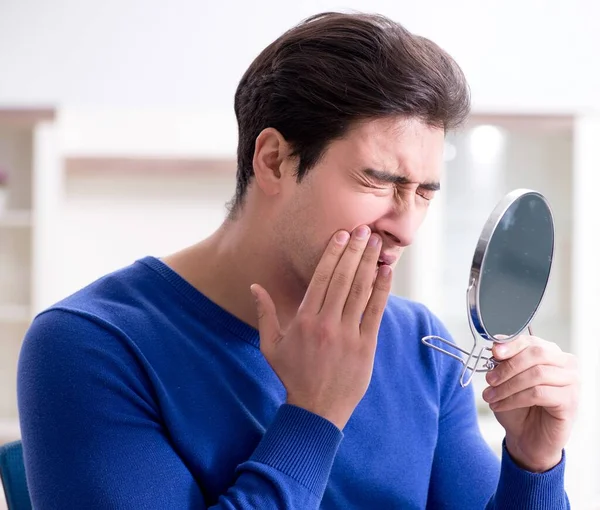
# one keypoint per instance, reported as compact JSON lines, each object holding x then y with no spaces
{"x":387,"y":259}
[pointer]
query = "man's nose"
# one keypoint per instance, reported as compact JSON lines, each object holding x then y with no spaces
{"x":400,"y":237}
{"x":400,"y":228}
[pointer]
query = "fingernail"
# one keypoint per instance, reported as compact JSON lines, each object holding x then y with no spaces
{"x":373,"y":240}
{"x":488,"y":394}
{"x":362,"y":232}
{"x":492,"y":377}
{"x":342,"y":237}
{"x":253,"y":291}
{"x":385,"y":271}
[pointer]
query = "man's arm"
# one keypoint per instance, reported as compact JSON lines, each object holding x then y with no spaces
{"x":466,"y":473}
{"x":92,"y":435}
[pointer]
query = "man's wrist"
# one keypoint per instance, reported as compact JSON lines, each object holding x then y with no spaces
{"x":339,"y":419}
{"x":540,"y":464}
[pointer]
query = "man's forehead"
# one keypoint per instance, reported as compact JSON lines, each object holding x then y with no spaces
{"x":400,"y":143}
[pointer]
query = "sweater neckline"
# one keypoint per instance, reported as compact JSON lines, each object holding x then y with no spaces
{"x":203,"y":306}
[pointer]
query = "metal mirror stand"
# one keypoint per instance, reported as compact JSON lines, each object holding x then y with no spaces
{"x":483,"y":355}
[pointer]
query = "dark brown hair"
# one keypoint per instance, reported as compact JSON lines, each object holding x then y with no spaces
{"x":333,"y":69}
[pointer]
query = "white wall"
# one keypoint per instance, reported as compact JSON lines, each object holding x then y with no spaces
{"x":120,"y":69}
{"x":524,"y":54}
{"x":108,"y":223}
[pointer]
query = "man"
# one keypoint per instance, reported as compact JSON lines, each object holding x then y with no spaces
{"x":265,"y":367}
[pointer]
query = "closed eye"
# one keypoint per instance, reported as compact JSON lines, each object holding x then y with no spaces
{"x":386,"y":179}
{"x":426,"y":194}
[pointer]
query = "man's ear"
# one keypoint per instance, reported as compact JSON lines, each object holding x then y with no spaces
{"x":270,"y":152}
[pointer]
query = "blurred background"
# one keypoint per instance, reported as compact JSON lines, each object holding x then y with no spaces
{"x":118,"y":140}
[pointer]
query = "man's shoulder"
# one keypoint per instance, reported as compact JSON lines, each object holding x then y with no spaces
{"x":115,"y":298}
{"x":405,"y":323}
{"x":400,"y":304}
{"x":412,"y":315}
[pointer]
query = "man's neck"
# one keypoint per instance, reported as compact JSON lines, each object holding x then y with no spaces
{"x":224,"y":265}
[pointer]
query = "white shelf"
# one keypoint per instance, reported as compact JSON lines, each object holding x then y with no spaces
{"x":16,"y":219}
{"x":14,"y":314}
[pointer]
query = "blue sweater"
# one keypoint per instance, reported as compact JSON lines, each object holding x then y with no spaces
{"x":138,"y":392}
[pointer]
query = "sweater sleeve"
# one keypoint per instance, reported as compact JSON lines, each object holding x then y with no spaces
{"x":92,"y":434}
{"x":466,"y":473}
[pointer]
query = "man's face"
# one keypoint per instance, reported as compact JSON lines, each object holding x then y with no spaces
{"x":383,"y":173}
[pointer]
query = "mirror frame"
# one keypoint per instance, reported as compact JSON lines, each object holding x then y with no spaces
{"x":473,"y":298}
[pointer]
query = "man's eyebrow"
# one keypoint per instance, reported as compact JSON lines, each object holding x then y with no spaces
{"x":390,"y":178}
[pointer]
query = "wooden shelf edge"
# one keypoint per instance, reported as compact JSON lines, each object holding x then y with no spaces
{"x":26,"y":117}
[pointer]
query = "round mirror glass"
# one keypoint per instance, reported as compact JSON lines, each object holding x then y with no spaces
{"x":516,"y":266}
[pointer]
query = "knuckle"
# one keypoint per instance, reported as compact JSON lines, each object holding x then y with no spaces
{"x":538,"y":372}
{"x":538,"y":351}
{"x":305,"y":323}
{"x":325,"y":331}
{"x":357,"y":289}
{"x":375,"y":309}
{"x":321,"y":277}
{"x":339,"y":278}
{"x":538,"y":393}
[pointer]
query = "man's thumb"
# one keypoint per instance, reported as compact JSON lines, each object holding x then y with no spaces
{"x":268,"y":323}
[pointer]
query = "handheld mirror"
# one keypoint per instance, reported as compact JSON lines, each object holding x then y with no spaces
{"x":508,"y":279}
